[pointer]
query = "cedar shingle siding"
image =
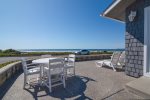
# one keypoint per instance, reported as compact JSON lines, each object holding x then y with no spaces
{"x":134,"y":39}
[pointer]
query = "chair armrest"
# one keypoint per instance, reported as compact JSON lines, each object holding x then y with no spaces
{"x":66,"y":58}
{"x":30,"y":67}
{"x":32,"y":64}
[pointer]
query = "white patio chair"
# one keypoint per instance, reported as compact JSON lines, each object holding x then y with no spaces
{"x":29,"y":69}
{"x":54,"y":73}
{"x":111,"y":63}
{"x":121,"y":61}
{"x":70,"y":65}
{"x":46,"y":56}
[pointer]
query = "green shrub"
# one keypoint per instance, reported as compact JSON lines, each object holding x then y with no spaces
{"x":11,"y":51}
{"x":101,"y":52}
{"x":44,"y":53}
{"x":105,"y":51}
{"x":0,"y":50}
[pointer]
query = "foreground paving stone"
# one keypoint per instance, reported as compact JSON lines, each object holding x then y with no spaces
{"x":140,"y":87}
{"x":91,"y":83}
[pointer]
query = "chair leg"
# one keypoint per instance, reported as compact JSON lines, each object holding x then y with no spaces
{"x":113,"y":67}
{"x":63,"y":80}
{"x":28,"y":80}
{"x":102,"y":64}
{"x":41,"y":70}
{"x":98,"y":64}
{"x":65,"y":73}
{"x":74,"y":71}
{"x":50,"y":83}
{"x":25,"y":81}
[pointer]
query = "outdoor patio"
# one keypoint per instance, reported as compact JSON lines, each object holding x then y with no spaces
{"x":91,"y":83}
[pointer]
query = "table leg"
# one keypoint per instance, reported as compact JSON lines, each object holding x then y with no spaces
{"x":40,"y":74}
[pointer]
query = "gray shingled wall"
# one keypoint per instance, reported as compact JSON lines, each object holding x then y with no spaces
{"x":134,"y":39}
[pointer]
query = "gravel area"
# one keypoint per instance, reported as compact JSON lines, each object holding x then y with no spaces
{"x":91,"y":83}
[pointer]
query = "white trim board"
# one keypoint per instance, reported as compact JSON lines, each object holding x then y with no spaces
{"x":111,"y":7}
{"x":146,"y":41}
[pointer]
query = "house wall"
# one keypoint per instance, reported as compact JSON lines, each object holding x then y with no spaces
{"x":134,"y":39}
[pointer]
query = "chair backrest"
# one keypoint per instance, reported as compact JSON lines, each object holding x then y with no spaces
{"x":115,"y":57}
{"x":24,"y":65}
{"x":122,"y":58}
{"x":46,"y":56}
{"x":56,"y":65}
{"x":71,"y":59}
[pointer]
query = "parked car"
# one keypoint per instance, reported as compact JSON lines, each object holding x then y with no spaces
{"x":82,"y":52}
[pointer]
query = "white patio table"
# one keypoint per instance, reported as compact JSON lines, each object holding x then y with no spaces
{"x":42,"y":62}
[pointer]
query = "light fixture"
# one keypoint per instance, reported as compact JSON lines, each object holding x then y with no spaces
{"x":132,"y":16}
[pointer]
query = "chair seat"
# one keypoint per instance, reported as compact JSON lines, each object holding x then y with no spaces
{"x":33,"y":70}
{"x":53,"y":71}
{"x":107,"y":63}
{"x":99,"y":62}
{"x":103,"y":62}
{"x":69,"y":66}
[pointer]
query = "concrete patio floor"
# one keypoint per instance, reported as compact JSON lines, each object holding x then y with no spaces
{"x":91,"y":83}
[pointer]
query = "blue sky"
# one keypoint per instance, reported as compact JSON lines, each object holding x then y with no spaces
{"x":58,"y":24}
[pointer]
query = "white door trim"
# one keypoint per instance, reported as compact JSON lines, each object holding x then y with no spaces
{"x":146,"y":40}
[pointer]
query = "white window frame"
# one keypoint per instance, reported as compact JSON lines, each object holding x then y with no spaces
{"x":146,"y":40}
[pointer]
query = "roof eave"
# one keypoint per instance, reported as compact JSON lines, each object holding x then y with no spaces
{"x":117,"y":10}
{"x":111,"y":7}
{"x":112,"y":18}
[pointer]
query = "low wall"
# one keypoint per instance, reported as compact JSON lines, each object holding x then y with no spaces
{"x":11,"y":69}
{"x":92,"y":57}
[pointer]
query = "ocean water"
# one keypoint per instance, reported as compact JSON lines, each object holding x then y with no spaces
{"x":66,"y":50}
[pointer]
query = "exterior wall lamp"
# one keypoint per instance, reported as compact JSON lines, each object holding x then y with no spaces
{"x":132,"y":16}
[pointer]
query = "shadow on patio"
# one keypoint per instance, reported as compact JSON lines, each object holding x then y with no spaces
{"x":8,"y":84}
{"x":91,"y":83}
{"x":75,"y":87}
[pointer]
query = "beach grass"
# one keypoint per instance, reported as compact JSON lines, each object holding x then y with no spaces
{"x":15,"y":53}
{"x":32,"y":54}
{"x":45,"y":53}
{"x":7,"y":63}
